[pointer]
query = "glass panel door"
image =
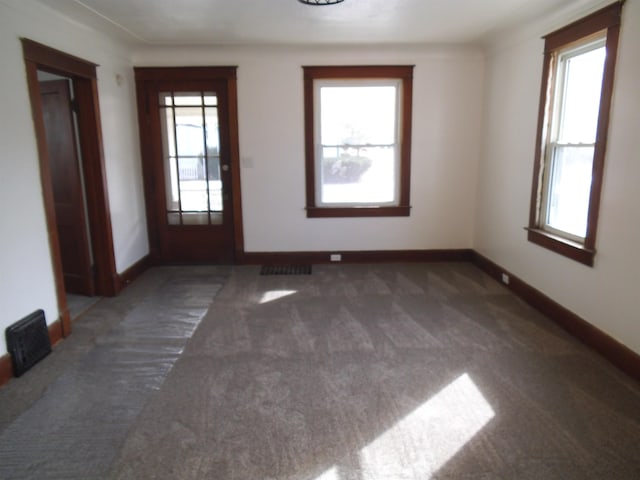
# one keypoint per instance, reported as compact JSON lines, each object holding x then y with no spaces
{"x":191,"y":157}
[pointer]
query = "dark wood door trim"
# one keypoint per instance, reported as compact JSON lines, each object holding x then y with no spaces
{"x":95,"y":178}
{"x":83,"y":76}
{"x":146,"y":78}
{"x":232,"y":96}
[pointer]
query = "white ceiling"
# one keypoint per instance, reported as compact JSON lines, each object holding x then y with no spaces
{"x":250,"y":22}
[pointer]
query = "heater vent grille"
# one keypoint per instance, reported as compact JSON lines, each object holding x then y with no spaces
{"x":286,"y":270}
{"x":28,"y":342}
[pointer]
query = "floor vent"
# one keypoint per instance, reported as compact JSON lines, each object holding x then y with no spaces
{"x":28,"y":342}
{"x":285,"y":270}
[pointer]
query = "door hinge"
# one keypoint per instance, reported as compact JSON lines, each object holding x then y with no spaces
{"x":75,"y":106}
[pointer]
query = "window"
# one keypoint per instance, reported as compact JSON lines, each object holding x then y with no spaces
{"x":358,"y":140}
{"x":577,"y":84}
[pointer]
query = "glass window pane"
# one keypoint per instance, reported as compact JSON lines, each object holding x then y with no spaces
{"x":215,"y":195}
{"x":358,"y":175}
{"x":212,"y":130}
{"x":167,"y":131}
{"x":165,"y":99}
{"x":195,"y":218}
{"x":213,"y":168}
{"x":187,"y":98}
{"x":569,"y":189}
{"x":193,"y":187}
{"x":189,"y":131}
{"x":215,"y":218}
{"x":173,"y":218}
{"x":215,"y":184}
{"x":581,"y":100}
{"x":358,"y":115}
{"x":210,"y":99}
{"x":171,"y":183}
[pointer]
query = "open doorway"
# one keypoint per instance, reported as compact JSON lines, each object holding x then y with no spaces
{"x":59,"y":113}
{"x":64,"y":102}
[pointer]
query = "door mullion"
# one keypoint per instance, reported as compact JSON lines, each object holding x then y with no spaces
{"x":206,"y":155}
{"x":177,"y":157}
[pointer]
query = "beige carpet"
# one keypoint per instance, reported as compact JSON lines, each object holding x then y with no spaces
{"x":370,"y":372}
{"x":384,"y":372}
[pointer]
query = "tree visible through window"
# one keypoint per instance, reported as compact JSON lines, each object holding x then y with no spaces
{"x":572,"y":132}
{"x":358,"y":129}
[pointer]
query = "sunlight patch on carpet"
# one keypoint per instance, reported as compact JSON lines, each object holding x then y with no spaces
{"x":421,"y":443}
{"x":331,"y":474}
{"x":425,"y":440}
{"x":271,"y":295}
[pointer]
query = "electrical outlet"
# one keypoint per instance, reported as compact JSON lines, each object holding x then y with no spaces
{"x":336,"y":257}
{"x":505,"y":279}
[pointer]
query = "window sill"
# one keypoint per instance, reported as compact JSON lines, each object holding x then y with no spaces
{"x":336,"y":212}
{"x":561,"y":246}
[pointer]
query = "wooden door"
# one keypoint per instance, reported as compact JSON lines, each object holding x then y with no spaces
{"x":187,"y":146}
{"x":68,"y":193}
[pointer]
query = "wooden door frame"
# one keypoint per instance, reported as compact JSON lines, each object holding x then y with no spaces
{"x":84,"y":78}
{"x":148,"y":75}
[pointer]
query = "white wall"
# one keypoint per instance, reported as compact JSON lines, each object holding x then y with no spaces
{"x":607,"y":295}
{"x":446,"y":119}
{"x":26,"y":278}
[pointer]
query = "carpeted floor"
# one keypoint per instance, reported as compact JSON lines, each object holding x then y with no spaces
{"x":79,"y":304}
{"x":356,"y":372}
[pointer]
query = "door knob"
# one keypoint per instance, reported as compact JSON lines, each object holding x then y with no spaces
{"x":225,"y":168}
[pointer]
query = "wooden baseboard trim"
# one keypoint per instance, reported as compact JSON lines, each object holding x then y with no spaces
{"x":65,"y":324}
{"x":618,"y":354}
{"x":364,"y":256}
{"x":56,"y":334}
{"x":133,"y":272}
{"x":6,"y":369}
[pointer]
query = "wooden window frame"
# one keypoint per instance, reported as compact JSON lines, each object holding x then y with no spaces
{"x":404,"y":74}
{"x":606,"y":19}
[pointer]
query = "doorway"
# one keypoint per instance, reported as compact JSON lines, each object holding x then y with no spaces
{"x":78,"y":225}
{"x":188,"y":128}
{"x":60,"y":122}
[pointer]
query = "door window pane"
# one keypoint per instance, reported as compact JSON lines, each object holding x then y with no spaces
{"x":189,"y":131}
{"x":195,"y":218}
{"x":168,"y":132}
{"x":171,"y":183}
{"x":215,"y":184}
{"x":190,"y":136}
{"x":193,"y":187}
{"x":210,"y":99}
{"x":212,"y":134}
{"x":165,"y":99}
{"x":187,"y":98}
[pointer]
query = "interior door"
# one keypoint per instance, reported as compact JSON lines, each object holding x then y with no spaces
{"x":68,"y":193}
{"x":188,"y":168}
